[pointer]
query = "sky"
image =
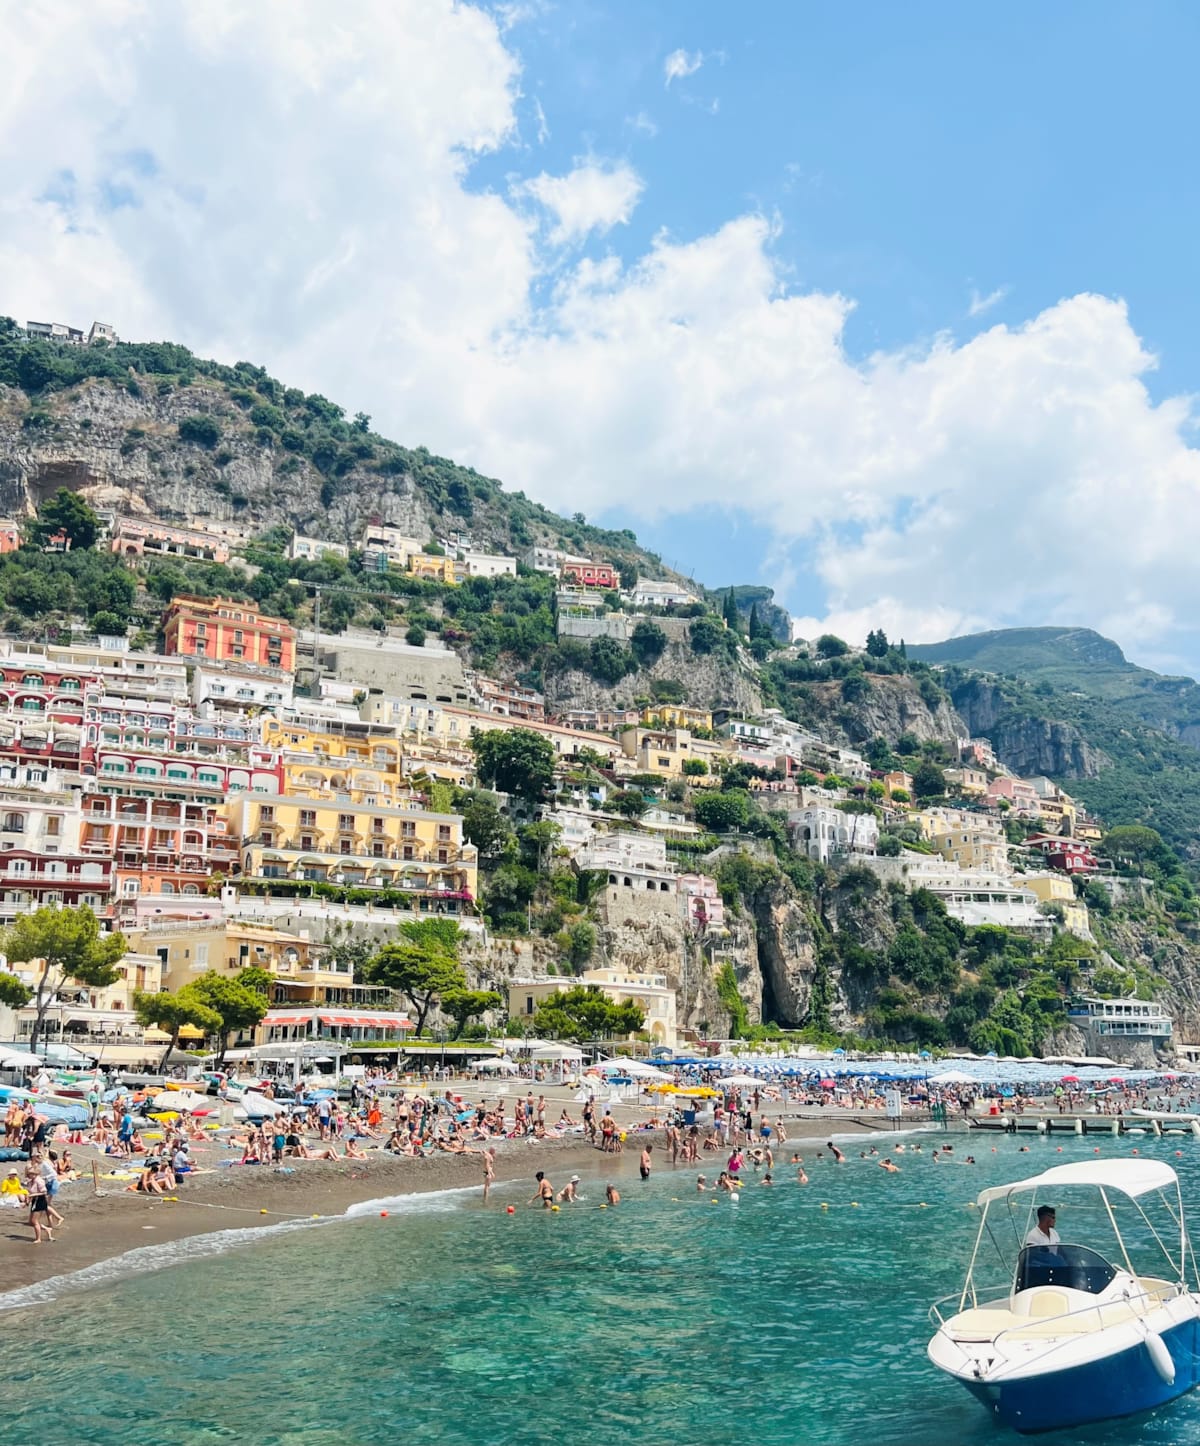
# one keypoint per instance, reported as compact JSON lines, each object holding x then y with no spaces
{"x":890,"y":308}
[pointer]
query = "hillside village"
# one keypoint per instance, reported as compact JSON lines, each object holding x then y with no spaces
{"x":419,"y":780}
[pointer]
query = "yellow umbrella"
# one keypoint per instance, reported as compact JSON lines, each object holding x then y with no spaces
{"x":700,"y":1092}
{"x":665,"y":1088}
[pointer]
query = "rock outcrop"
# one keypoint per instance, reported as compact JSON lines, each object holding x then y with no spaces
{"x":1027,"y":745}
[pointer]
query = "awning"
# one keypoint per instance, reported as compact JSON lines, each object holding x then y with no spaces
{"x":374,"y":1019}
{"x":1130,"y":1177}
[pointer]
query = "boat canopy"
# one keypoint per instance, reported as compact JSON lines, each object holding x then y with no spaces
{"x":1130,"y":1177}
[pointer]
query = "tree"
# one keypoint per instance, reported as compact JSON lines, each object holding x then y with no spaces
{"x":724,"y":810}
{"x":362,"y":422}
{"x":877,"y":643}
{"x":753,"y":630}
{"x":202,"y":430}
{"x":647,"y":643}
{"x":583,"y":1012}
{"x":694,"y":768}
{"x":629,"y":576}
{"x":66,"y":512}
{"x":516,"y":761}
{"x":889,"y":846}
{"x":238,"y":1001}
{"x":1134,"y":843}
{"x":108,"y":625}
{"x":170,"y":1012}
{"x":730,"y":996}
{"x":901,"y":795}
{"x":415,"y":636}
{"x":486,"y":827}
{"x":580,"y":942}
{"x":928,"y":780}
{"x":69,"y":945}
{"x":855,"y":686}
{"x":729,"y":611}
{"x":706,"y":635}
{"x":538,"y":840}
{"x":14,"y":992}
{"x":463,"y":1005}
{"x":829,"y":646}
{"x":908,"y":744}
{"x":629,"y":803}
{"x":422,"y":965}
{"x":608,"y":661}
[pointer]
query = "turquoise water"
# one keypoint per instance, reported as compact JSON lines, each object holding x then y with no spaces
{"x":669,"y":1320}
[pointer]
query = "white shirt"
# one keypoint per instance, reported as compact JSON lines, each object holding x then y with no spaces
{"x":1037,"y":1236}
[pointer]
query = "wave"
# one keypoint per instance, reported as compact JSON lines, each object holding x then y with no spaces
{"x":144,"y":1259}
{"x":426,"y":1202}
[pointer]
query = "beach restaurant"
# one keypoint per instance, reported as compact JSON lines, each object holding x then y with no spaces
{"x":334,"y":1023}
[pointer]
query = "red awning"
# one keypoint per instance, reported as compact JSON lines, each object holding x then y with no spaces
{"x":375,"y":1019}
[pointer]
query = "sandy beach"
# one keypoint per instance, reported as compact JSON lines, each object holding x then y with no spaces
{"x":105,"y":1222}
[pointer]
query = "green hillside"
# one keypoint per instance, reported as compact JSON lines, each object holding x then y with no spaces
{"x":1147,"y":724}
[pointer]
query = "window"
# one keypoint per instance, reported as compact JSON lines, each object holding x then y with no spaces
{"x":14,"y":823}
{"x":444,"y":831}
{"x":306,"y":841}
{"x":346,"y":822}
{"x":308,"y":818}
{"x":266,"y":814}
{"x":408,"y":851}
{"x":378,"y":850}
{"x":346,"y":846}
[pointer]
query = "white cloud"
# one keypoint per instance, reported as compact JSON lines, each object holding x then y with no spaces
{"x":593,"y":197}
{"x":980,"y":304}
{"x":543,"y":128}
{"x":322,"y":220}
{"x":642,"y":122}
{"x":680,"y":64}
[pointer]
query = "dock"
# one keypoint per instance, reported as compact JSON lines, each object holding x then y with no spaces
{"x":1145,"y":1123}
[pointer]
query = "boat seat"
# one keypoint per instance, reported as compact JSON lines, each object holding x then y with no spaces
{"x":980,"y":1324}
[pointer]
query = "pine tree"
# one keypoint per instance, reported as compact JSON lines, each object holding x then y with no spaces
{"x":731,"y":614}
{"x":755,"y":627}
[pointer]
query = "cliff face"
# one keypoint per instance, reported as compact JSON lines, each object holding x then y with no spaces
{"x":891,"y":707}
{"x":124,"y":451}
{"x":709,"y":680}
{"x":1173,"y":958}
{"x":1028,"y":746}
{"x":786,"y":930}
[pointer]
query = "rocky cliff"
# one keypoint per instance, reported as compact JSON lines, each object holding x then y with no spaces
{"x":707,"y":680}
{"x":892,"y":706}
{"x":1027,"y":745}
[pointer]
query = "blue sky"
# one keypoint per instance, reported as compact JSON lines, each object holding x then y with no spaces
{"x":918,"y":158}
{"x":889,"y":307}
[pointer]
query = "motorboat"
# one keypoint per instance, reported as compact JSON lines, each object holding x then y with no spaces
{"x":1050,"y":1335}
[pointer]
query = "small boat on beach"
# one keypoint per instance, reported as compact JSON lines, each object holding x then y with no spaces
{"x":1074,"y":1337}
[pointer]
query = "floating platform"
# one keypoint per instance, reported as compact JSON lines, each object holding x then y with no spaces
{"x":1146,"y":1123}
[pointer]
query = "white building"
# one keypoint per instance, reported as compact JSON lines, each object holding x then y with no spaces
{"x":632,"y":861}
{"x":224,"y":688}
{"x":822,"y":833}
{"x":648,"y":593}
{"x":552,"y":560}
{"x":312,"y":549}
{"x":384,"y":547}
{"x":973,"y":896}
{"x":486,"y":564}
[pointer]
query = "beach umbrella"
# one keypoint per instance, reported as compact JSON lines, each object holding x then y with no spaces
{"x":492,"y":1065}
{"x":18,"y":1059}
{"x":829,"y":1084}
{"x":1070,"y":1079}
{"x":740,"y":1081}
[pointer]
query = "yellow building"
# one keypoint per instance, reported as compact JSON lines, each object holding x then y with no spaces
{"x":665,"y":750}
{"x":437,"y":569}
{"x":1088,"y":831}
{"x":972,"y":848}
{"x":358,"y":845}
{"x":1054,"y":888}
{"x":675,"y":715}
{"x":364,"y":767}
{"x":897,"y":779}
{"x":187,"y":948}
{"x":972,"y":781}
{"x":650,"y":992}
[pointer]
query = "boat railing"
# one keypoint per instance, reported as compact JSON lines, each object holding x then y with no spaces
{"x":946,"y":1307}
{"x":943,"y":1310}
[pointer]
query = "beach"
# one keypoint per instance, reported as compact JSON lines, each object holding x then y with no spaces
{"x":104,"y":1220}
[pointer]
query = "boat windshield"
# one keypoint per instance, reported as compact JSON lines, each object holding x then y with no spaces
{"x":1073,"y":1267}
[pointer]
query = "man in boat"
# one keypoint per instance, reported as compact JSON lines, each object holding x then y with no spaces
{"x":1043,"y":1235}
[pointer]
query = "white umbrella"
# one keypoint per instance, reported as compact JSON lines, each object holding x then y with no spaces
{"x":493,"y":1065}
{"x":634,"y":1068}
{"x":557,"y":1051}
{"x":952,"y":1076}
{"x":18,"y":1059}
{"x":740,"y":1081}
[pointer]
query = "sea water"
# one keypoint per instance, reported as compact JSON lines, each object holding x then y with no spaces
{"x":796,"y":1315}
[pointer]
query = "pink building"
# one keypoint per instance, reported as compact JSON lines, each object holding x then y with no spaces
{"x":1020,"y":795}
{"x":702,"y":901}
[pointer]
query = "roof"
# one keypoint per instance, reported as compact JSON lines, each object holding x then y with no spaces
{"x":1130,"y":1177}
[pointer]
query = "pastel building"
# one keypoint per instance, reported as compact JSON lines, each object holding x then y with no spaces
{"x":228,"y":631}
{"x":650,"y":992}
{"x":703,"y":905}
{"x":147,"y":537}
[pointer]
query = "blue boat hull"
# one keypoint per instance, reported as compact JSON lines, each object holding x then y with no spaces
{"x":1119,"y":1385}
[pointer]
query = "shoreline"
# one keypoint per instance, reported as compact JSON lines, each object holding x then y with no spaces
{"x":102,"y":1228}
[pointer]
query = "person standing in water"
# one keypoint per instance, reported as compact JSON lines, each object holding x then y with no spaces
{"x":644,"y":1163}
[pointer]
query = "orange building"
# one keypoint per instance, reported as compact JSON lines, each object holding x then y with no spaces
{"x":224,"y":630}
{"x":10,"y":536}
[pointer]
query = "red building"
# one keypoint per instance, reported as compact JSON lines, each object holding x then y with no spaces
{"x":1066,"y":854}
{"x":228,"y":631}
{"x":591,"y":574}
